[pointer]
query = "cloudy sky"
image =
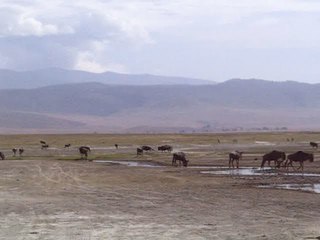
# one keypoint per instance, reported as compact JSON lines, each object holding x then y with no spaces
{"x":210,"y":39}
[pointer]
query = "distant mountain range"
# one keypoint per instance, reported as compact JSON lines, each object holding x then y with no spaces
{"x":46,"y":77}
{"x":96,"y":107}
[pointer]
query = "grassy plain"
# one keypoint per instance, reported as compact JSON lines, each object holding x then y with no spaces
{"x":51,"y":194}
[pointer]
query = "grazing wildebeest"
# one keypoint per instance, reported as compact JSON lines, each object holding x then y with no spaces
{"x":147,"y":148}
{"x":2,"y":156}
{"x":44,"y":146}
{"x":165,"y":148}
{"x":314,"y":144}
{"x":277,"y":156}
{"x":84,"y":150}
{"x":43,"y":142}
{"x":139,"y":151}
{"x":300,"y":157}
{"x":14,"y":150}
{"x":116,"y":146}
{"x":21,"y":150}
{"x":181,"y":157}
{"x":67,"y":145}
{"x":236,"y":155}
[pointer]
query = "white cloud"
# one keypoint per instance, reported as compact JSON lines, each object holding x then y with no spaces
{"x":142,"y":35}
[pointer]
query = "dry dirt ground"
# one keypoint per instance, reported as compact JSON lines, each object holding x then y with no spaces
{"x":43,"y":197}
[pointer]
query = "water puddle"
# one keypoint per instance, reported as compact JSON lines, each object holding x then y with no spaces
{"x":211,"y":167}
{"x":130,"y":163}
{"x":301,"y":187}
{"x":257,"y":172}
{"x":264,"y":143}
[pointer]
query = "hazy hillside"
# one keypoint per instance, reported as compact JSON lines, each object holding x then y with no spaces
{"x":52,"y":76}
{"x":98,"y":107}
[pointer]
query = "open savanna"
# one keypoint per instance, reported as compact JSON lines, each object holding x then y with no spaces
{"x":52,"y":194}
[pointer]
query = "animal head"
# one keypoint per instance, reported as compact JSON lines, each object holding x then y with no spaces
{"x":185,"y":163}
{"x":311,"y":158}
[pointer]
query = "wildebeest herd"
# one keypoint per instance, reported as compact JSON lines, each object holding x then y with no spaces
{"x":279,"y":158}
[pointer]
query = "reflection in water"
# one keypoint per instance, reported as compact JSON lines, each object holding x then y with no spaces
{"x":257,"y":172}
{"x":130,"y":163}
{"x":303,"y":187}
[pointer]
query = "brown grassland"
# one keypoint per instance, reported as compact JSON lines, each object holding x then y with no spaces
{"x":53,"y":194}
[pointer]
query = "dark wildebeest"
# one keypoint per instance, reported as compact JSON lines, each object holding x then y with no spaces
{"x":165,"y":148}
{"x":14,"y":150}
{"x":44,"y":146}
{"x":139,"y":151}
{"x":181,"y":157}
{"x":147,"y":148}
{"x":300,"y":157}
{"x":84,"y":150}
{"x":314,"y":144}
{"x":236,"y":155}
{"x":43,"y":142}
{"x":67,"y":145}
{"x":21,"y":150}
{"x":116,"y":146}
{"x":2,"y":156}
{"x":277,"y":156}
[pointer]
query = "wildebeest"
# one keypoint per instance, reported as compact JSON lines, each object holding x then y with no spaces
{"x":181,"y":157}
{"x":44,"y":146}
{"x":165,"y":148}
{"x":147,"y":148}
{"x":67,"y":145}
{"x":43,"y":142}
{"x":300,"y":157}
{"x":236,"y":155}
{"x":277,"y":156}
{"x":84,"y":150}
{"x":14,"y":150}
{"x":2,"y":156}
{"x":139,"y":151}
{"x":21,"y":150}
{"x":116,"y":146}
{"x":314,"y":144}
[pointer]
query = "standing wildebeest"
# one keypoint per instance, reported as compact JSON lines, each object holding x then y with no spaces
{"x":181,"y":157}
{"x":273,"y":156}
{"x":2,"y":156}
{"x":14,"y":150}
{"x":165,"y":148}
{"x":314,"y":144}
{"x":84,"y":150}
{"x":139,"y":151}
{"x":116,"y":146}
{"x":67,"y":145}
{"x":21,"y":150}
{"x":236,"y":155}
{"x":147,"y":148}
{"x":300,"y":157}
{"x":44,"y":146}
{"x":43,"y":142}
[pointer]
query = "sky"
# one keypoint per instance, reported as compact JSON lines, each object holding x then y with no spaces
{"x":209,"y":39}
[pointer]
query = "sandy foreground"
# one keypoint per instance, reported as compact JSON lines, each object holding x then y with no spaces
{"x":50,"y":199}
